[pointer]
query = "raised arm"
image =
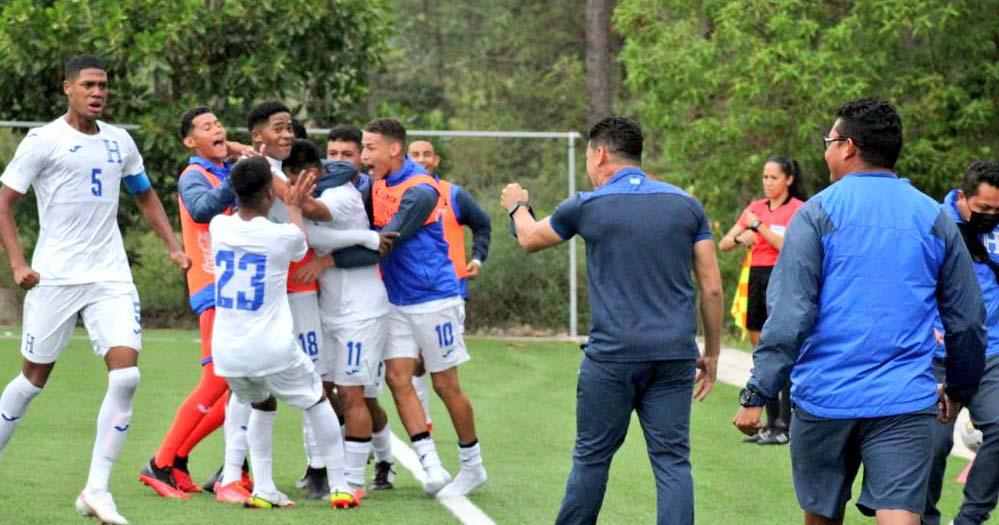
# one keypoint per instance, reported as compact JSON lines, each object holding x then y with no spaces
{"x":534,"y":235}
{"x":202,"y":200}
{"x":309,"y":206}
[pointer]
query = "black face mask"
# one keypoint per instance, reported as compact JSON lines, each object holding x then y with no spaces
{"x":978,"y":252}
{"x":983,"y":222}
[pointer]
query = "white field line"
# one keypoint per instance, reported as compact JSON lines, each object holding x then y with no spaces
{"x":734,"y":366}
{"x":463,"y":509}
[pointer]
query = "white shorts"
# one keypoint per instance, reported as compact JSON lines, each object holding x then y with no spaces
{"x":437,"y":336}
{"x":357,"y":349}
{"x":111,"y":313}
{"x":298,"y":386}
{"x":374,"y":390}
{"x":306,"y":324}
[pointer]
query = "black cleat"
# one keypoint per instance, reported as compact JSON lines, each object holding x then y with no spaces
{"x":384,"y":476}
{"x":319,"y":487}
{"x":160,"y":479}
{"x":209,"y":485}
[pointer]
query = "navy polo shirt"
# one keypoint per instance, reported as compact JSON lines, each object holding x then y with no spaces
{"x":640,"y":237}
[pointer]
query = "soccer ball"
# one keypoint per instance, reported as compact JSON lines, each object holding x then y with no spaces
{"x":971,"y":436}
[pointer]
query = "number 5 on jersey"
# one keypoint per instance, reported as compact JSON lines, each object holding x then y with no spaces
{"x":95,"y":182}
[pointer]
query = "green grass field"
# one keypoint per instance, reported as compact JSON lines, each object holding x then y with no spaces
{"x":523,"y":395}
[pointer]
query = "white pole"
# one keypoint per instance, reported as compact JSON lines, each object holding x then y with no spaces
{"x":573,"y":315}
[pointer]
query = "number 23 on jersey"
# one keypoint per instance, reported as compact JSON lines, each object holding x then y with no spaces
{"x":252,"y":264}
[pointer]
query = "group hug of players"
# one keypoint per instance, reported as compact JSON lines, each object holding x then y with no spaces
{"x":360,"y":327}
{"x":314,"y":284}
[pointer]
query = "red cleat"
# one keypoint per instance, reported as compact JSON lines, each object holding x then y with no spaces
{"x":182,"y":480}
{"x":346,"y":500}
{"x":161,"y":481}
{"x":246,"y":481}
{"x":233,"y":493}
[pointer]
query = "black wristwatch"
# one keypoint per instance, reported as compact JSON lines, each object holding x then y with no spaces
{"x":750,"y":397}
{"x":755,"y":225}
{"x":515,"y":206}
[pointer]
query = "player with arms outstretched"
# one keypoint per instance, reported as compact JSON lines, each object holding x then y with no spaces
{"x":76,"y":165}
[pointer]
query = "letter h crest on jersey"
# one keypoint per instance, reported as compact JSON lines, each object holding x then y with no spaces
{"x":113,"y":150}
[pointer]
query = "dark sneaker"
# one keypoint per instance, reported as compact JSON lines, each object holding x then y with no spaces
{"x":209,"y":485}
{"x":384,"y":476}
{"x":160,"y":479}
{"x":319,"y":487}
{"x":774,"y":437}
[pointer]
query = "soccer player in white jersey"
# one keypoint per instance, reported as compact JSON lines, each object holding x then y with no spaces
{"x":253,"y":339}
{"x":76,"y":165}
{"x":353,"y":301}
{"x":272,"y":131}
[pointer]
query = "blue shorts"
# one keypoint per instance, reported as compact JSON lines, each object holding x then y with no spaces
{"x":894,"y":450}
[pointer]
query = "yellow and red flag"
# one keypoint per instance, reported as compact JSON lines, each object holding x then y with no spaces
{"x":740,"y":303}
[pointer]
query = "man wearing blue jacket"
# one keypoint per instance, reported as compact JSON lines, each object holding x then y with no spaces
{"x":975,"y":209}
{"x":865,"y":267}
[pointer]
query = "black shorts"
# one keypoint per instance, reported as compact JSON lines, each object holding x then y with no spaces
{"x":894,"y":450}
{"x":756,"y":312}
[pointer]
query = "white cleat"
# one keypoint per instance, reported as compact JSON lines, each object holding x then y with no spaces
{"x":264,"y":500}
{"x":436,"y":479}
{"x":467,"y":480}
{"x":100,"y":505}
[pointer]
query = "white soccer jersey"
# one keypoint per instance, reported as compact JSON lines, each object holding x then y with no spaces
{"x":77,"y":182}
{"x":279,"y":210}
{"x":253,"y":333}
{"x":349,"y":294}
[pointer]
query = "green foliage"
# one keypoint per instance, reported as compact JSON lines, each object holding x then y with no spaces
{"x":721,"y":85}
{"x":165,"y":57}
{"x":161,"y":285}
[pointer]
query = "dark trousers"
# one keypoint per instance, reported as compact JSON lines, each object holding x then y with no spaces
{"x":779,"y":411}
{"x":606,"y":394}
{"x":981,"y":490}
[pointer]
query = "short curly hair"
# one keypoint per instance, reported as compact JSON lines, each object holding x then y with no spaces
{"x":875,"y":127}
{"x":620,"y":135}
{"x":980,"y":172}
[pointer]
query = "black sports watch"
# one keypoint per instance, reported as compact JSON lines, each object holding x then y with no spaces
{"x":750,"y":397}
{"x":515,"y":206}
{"x":755,"y":225}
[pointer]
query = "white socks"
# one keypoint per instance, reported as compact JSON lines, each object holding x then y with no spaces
{"x":237,"y":421}
{"x":420,"y":385}
{"x":356,"y":460}
{"x":259,"y":438}
{"x":13,"y":404}
{"x":427,"y":452}
{"x":381,"y":442}
{"x":312,"y":451}
{"x":113,"y":421}
{"x":471,"y":457}
{"x":326,"y":427}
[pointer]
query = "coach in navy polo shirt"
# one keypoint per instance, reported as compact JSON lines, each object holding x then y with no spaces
{"x":643,"y":238}
{"x":866,"y":265}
